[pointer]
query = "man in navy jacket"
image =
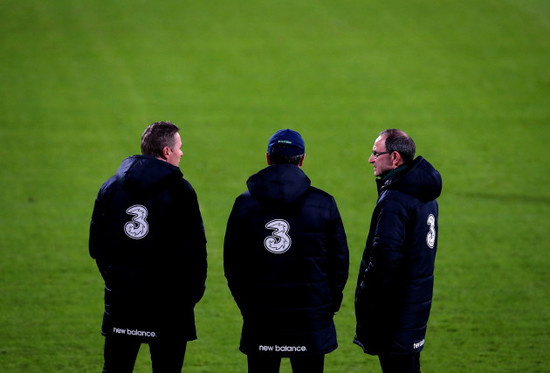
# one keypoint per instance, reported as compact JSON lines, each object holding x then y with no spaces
{"x":148,"y":240}
{"x":286,"y":262}
{"x":395,"y":283}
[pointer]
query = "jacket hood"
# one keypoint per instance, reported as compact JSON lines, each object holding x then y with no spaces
{"x":420,"y":180}
{"x":144,"y":172}
{"x":278,"y":183}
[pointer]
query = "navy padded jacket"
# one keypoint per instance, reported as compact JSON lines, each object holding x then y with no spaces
{"x":286,"y":262}
{"x":148,"y":239}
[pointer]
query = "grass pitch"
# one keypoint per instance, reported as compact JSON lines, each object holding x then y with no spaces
{"x":469,"y":81}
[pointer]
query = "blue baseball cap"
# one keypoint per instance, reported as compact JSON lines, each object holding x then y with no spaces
{"x":291,"y":143}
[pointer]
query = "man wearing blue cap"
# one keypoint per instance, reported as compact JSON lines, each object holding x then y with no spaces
{"x":286,"y":262}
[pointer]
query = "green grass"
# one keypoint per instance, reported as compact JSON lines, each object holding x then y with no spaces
{"x":469,"y":80}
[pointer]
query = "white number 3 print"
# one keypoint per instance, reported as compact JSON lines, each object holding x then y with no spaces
{"x":430,"y":238}
{"x":279,"y":242}
{"x":138,"y":227}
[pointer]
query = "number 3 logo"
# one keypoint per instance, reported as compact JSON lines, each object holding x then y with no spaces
{"x":430,"y":238}
{"x":279,"y":242}
{"x":138,"y":227}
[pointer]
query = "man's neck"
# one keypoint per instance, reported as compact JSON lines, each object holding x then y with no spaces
{"x":393,"y":172}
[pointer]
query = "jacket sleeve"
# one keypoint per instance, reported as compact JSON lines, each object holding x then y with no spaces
{"x":338,"y":256}
{"x":382,"y":265}
{"x":233,"y":259}
{"x":98,"y":240}
{"x":192,"y":231}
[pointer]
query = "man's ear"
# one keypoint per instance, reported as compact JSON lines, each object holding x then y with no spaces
{"x":302,"y":161}
{"x":396,"y":159}
{"x":267,"y":158}
{"x":166,"y":152}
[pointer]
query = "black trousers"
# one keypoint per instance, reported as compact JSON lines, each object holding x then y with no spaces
{"x":300,"y":364}
{"x":400,"y":363}
{"x":120,"y":354}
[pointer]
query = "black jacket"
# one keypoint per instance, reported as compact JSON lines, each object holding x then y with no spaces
{"x":148,"y":239}
{"x":286,"y":263}
{"x":395,"y":283}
